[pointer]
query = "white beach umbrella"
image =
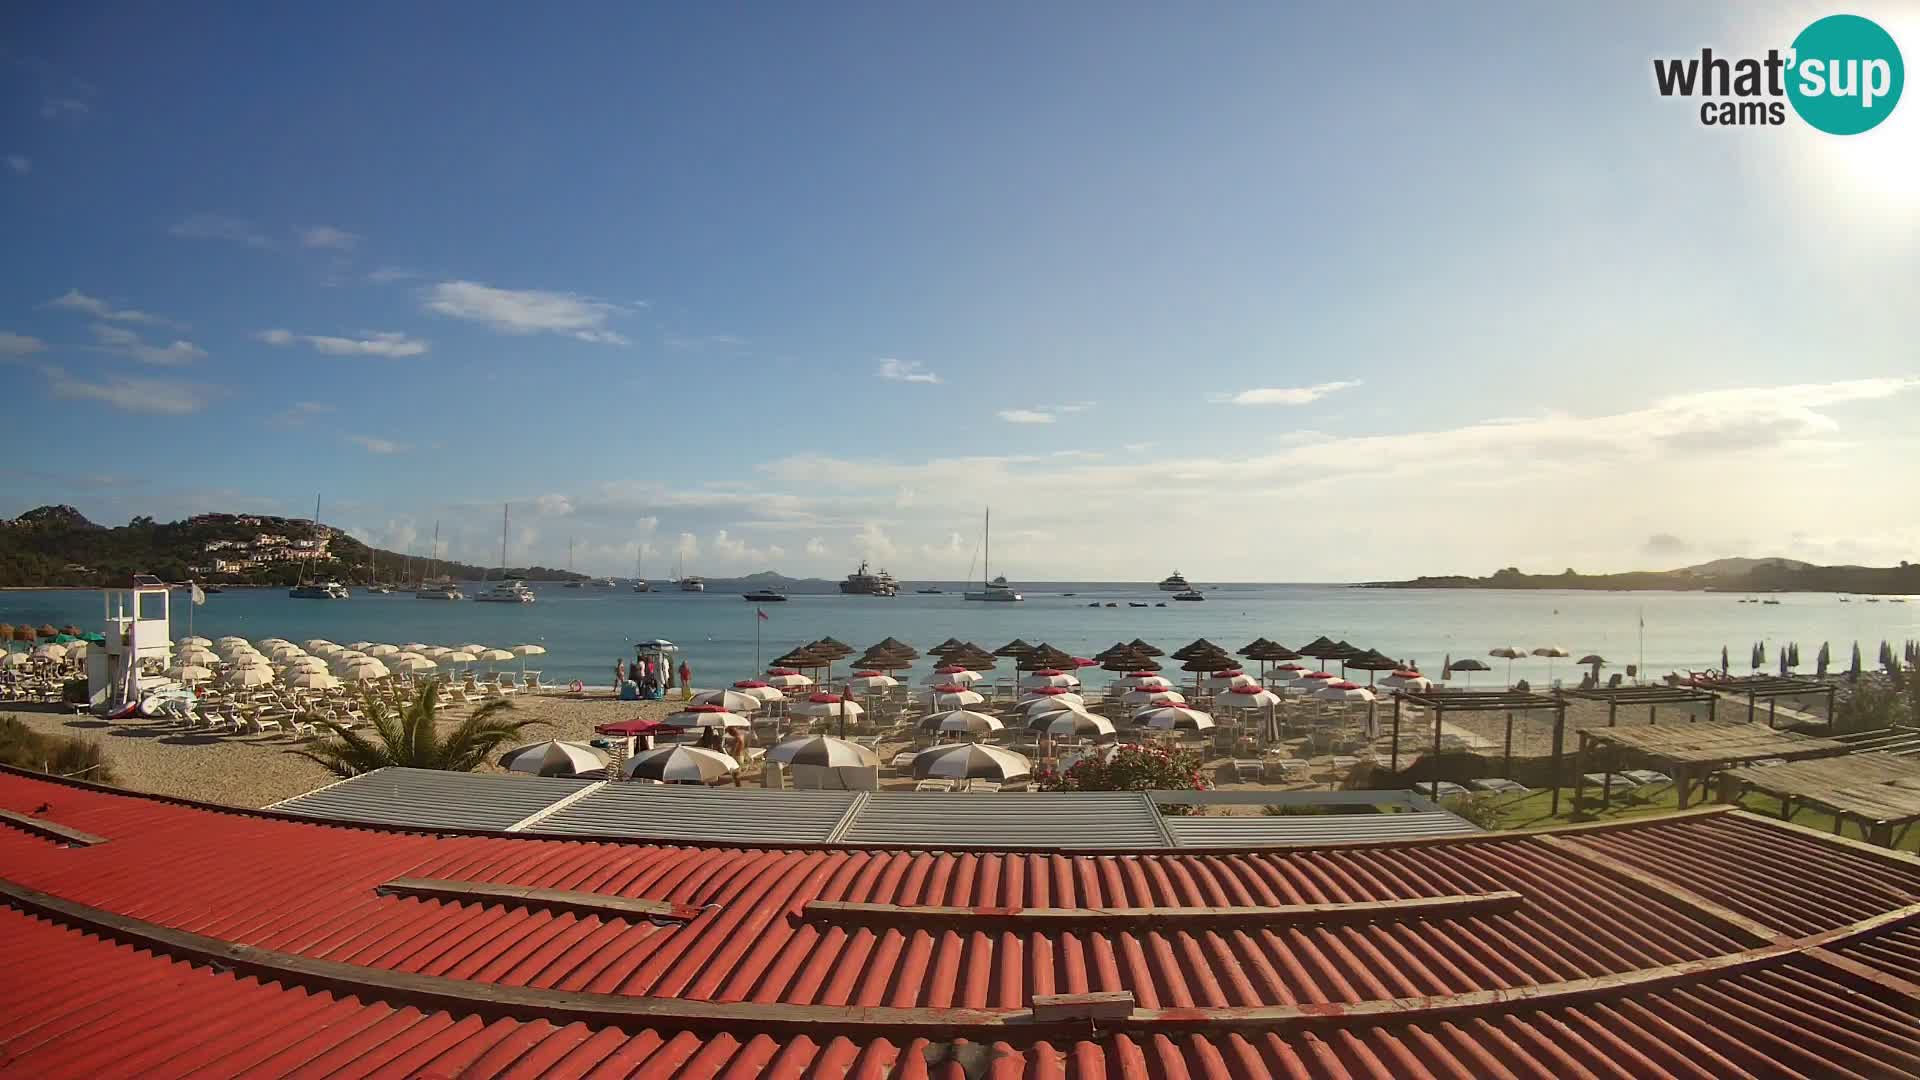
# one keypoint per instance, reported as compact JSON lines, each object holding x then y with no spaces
{"x":305,"y":663}
{"x":1142,"y":680}
{"x":190,"y":639}
{"x":273,"y":641}
{"x":360,"y":646}
{"x":1509,"y":653}
{"x":707,"y":716}
{"x":1249,"y":696}
{"x":190,"y":673}
{"x":759,"y":689}
{"x":366,"y":670}
{"x":1048,"y":677}
{"x":15,"y":660}
{"x":823,"y":751}
{"x":232,"y":639}
{"x":474,"y":648}
{"x":415,"y":646}
{"x":493,"y":656}
{"x":78,"y":650}
{"x":1344,"y":691}
{"x":1048,"y":706}
{"x":730,"y":700}
{"x":680,"y":765}
{"x":1552,"y":653}
{"x":311,"y":680}
{"x":285,"y":650}
{"x":1227,"y":680}
{"x":831,"y":706}
{"x":1071,"y":723}
{"x":868,"y":682}
{"x":51,"y":652}
{"x":1144,"y":696}
{"x":457,"y":656}
{"x":1173,"y":718}
{"x":316,"y":644}
{"x":1052,"y":693}
{"x":941,"y":698}
{"x":434,"y":652}
{"x":249,"y":677}
{"x":960,"y":720}
{"x":412,"y":665}
{"x":952,"y":675}
{"x":528,"y":650}
{"x":381,"y":650}
{"x":404,"y":654}
{"x":553,"y":758}
{"x":788,"y":681}
{"x":970,"y":761}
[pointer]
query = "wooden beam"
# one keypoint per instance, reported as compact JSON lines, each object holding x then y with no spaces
{"x":50,"y":830}
{"x":1044,"y":919}
{"x":556,"y":900}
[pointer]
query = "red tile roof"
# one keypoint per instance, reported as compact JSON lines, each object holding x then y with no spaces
{"x":238,"y":943}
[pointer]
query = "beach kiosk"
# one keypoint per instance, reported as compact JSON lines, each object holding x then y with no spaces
{"x":137,"y":627}
{"x":664,"y":655}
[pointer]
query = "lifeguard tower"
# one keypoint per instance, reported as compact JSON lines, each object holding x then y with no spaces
{"x":137,"y":628}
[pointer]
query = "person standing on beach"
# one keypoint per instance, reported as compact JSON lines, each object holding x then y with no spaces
{"x":619,"y":672}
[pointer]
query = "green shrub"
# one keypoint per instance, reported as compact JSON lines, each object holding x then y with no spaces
{"x":58,"y":755}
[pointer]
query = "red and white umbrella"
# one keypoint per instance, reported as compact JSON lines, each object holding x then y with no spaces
{"x":963,"y":721}
{"x":758,"y":689}
{"x":1227,"y":680}
{"x":1145,"y":696}
{"x":952,"y":675}
{"x":868,"y":682}
{"x":1142,"y":680}
{"x":950,"y":696}
{"x":1343,"y":691}
{"x":782,"y":679}
{"x":1249,"y":696}
{"x":1173,"y":718}
{"x":1048,"y":677}
{"x":680,"y":765}
{"x":731,"y":700}
{"x":1313,"y":681}
{"x":707,"y":716}
{"x":1052,"y":693}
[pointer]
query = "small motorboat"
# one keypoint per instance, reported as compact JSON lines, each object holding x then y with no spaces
{"x":1190,"y":594}
{"x":1162,"y":603}
{"x":1113,"y":605}
{"x":765,"y":596}
{"x":1096,"y":603}
{"x":1135,"y":603}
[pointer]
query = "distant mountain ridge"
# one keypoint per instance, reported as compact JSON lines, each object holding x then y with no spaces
{"x":1720,"y":575}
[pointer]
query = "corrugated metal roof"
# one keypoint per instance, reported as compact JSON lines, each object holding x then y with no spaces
{"x":205,"y":942}
{"x":433,"y":799}
{"x":1262,"y":831}
{"x":1118,"y":819}
{"x":674,"y":812}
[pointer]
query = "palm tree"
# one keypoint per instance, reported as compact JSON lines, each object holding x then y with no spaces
{"x":410,"y":740}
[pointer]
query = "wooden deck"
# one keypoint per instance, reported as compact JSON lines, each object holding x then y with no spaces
{"x":1691,"y":751}
{"x":1878,"y":792}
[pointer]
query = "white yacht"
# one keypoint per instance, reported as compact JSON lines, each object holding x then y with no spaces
{"x":996,"y":590}
{"x":693,"y":584}
{"x":438,"y":589}
{"x":1174,"y":582}
{"x":510,"y":591}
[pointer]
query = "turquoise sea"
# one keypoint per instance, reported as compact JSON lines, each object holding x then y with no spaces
{"x":586,"y":630}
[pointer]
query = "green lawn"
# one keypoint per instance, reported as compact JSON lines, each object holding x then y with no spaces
{"x":1535,"y":809}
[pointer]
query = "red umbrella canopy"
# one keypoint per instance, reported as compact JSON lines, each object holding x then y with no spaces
{"x":818,"y":698}
{"x":634,"y":727}
{"x":1085,"y":662}
{"x":1342,"y":684}
{"x":778,"y":671}
{"x":1050,"y":691}
{"x":756,"y":684}
{"x":866,"y":675}
{"x":950,"y":688}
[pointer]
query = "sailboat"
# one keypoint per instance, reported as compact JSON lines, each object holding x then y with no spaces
{"x":639,"y":583}
{"x":509,"y":590}
{"x":575,"y":583}
{"x":438,"y":587}
{"x":318,"y":590}
{"x":997,"y":590}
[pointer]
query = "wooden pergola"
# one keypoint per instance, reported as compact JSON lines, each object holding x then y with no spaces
{"x":1770,"y":688}
{"x":1694,"y":750}
{"x":1879,"y":793}
{"x":1651,"y":696}
{"x":1443,"y":702}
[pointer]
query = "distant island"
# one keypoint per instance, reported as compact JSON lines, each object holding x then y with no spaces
{"x":57,"y":547}
{"x":1720,"y":575}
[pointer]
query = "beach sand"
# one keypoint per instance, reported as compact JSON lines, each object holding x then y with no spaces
{"x":256,"y":770}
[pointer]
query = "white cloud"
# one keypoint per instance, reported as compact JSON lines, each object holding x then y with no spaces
{"x":873,"y":542}
{"x":686,"y":342}
{"x":1025,"y":416}
{"x":553,"y":505}
{"x":647,"y":525}
{"x":63,"y":106}
{"x":688,"y":547}
{"x":816,"y":547}
{"x":127,"y":394}
{"x":20,"y":164}
{"x":388,"y":274}
{"x":220,"y":227}
{"x":326,"y":236}
{"x":374,"y":445}
{"x":12,"y":344}
{"x":1297,"y":395}
{"x":905,"y":371}
{"x":525,"y":311}
{"x":388,"y":343}
{"x":75,"y":300}
{"x":119,"y":339}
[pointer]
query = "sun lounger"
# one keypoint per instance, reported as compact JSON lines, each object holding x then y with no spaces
{"x":1246,"y":769}
{"x":1447,"y":790}
{"x":1499,"y":786}
{"x":903,"y":760}
{"x":991,"y":786}
{"x":934,"y":785}
{"x":1648,"y":778}
{"x":1620,"y":780}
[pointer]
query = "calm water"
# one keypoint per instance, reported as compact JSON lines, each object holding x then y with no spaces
{"x":585,"y":630}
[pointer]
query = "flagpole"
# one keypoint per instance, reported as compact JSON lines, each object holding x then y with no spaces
{"x":1642,"y":667}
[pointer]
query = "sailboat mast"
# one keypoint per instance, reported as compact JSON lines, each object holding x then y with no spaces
{"x":986,"y":562}
{"x":505,"y":508}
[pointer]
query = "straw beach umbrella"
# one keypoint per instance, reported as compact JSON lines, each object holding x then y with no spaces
{"x":1372,"y":662}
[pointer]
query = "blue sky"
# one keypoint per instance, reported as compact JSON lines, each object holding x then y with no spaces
{"x":1260,"y":294}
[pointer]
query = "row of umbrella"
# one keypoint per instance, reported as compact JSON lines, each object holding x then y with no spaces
{"x":318,"y":663}
{"x":701,"y":765}
{"x":1787,"y":657}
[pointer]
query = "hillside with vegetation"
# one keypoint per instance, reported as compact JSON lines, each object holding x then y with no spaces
{"x":1721,"y":575}
{"x":56,"y":546}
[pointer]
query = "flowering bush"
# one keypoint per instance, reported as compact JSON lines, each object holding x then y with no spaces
{"x":1130,"y":768}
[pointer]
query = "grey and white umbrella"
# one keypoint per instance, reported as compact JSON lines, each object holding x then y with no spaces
{"x":1510,"y":653}
{"x":951,"y":697}
{"x":731,"y":700}
{"x":970,"y":761}
{"x":705,"y":716}
{"x":553,"y":758}
{"x":823,"y":751}
{"x":1148,"y":696}
{"x":1552,"y":653}
{"x":1070,"y":723}
{"x":1048,"y":706}
{"x":961,"y":721}
{"x":680,"y":765}
{"x":1173,"y":718}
